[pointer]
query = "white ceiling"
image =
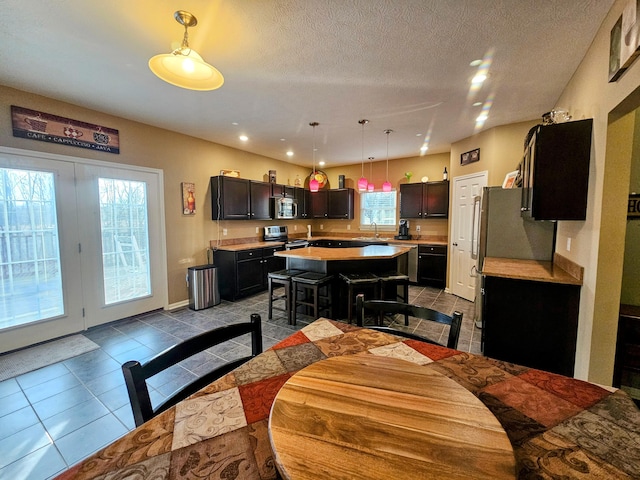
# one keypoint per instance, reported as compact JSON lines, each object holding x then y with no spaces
{"x":402,"y":64}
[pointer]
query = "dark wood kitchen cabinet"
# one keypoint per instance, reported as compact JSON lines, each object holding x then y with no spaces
{"x":432,"y":265}
{"x":424,"y":200}
{"x":555,"y":171}
{"x":303,"y":197}
{"x":530,"y":323}
{"x":334,"y":203}
{"x":244,"y":272}
{"x":239,"y":199}
{"x":278,"y":190}
{"x":341,"y":203}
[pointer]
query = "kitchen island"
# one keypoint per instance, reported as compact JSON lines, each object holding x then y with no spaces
{"x":373,"y":258}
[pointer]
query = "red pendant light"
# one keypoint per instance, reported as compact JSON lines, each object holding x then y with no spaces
{"x":313,"y":184}
{"x":362,"y":183}
{"x":386,"y":186}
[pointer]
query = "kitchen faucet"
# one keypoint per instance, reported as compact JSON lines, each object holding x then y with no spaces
{"x":375,"y":226}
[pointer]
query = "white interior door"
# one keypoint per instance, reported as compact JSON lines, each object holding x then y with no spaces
{"x":465,"y":218}
{"x":123,"y":259}
{"x":40,"y":280}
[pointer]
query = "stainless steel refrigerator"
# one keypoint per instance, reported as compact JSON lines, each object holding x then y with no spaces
{"x":502,"y":232}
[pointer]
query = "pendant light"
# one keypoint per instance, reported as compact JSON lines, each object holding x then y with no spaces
{"x":386,"y":186}
{"x":184,"y":67}
{"x":370,"y":186}
{"x":362,"y":183}
{"x":313,"y":183}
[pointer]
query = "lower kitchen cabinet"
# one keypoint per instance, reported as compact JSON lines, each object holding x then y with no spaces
{"x":244,"y":272}
{"x":531,"y":323}
{"x":432,"y":265}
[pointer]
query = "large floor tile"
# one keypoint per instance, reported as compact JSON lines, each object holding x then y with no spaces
{"x":52,"y":387}
{"x":22,"y":443}
{"x":62,"y":401}
{"x":90,"y":438}
{"x":12,"y":403}
{"x":17,"y":421}
{"x":41,"y":464}
{"x":74,"y":418}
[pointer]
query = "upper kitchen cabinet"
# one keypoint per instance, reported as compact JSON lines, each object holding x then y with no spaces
{"x":334,"y":203}
{"x":341,"y":203}
{"x":278,"y":190}
{"x":555,"y":171}
{"x":424,"y":200}
{"x":303,"y":198}
{"x":239,"y":199}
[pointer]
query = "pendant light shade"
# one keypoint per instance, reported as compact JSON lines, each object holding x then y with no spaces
{"x":386,"y":186}
{"x":184,"y":67}
{"x":362,"y":183}
{"x":313,"y":183}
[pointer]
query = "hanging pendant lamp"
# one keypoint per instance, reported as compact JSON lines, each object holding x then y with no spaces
{"x":362,"y":183}
{"x":184,"y":67}
{"x":313,"y":183}
{"x":370,"y":186}
{"x":386,"y":186}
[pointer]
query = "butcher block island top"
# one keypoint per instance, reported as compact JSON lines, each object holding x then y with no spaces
{"x":369,"y":417}
{"x":561,"y":270}
{"x":324,"y":254}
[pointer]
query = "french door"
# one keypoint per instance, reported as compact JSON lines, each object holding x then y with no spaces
{"x":81,"y":243}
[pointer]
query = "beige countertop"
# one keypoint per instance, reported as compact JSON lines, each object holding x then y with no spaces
{"x":560,"y":270}
{"x":248,"y":245}
{"x":372,"y":252}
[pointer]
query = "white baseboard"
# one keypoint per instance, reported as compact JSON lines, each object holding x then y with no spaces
{"x":175,"y":306}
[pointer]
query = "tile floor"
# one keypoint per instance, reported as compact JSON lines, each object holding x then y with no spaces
{"x":54,"y":417}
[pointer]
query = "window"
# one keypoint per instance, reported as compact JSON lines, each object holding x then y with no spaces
{"x":378,"y":208}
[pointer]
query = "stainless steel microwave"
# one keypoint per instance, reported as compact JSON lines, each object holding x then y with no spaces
{"x":284,"y":207}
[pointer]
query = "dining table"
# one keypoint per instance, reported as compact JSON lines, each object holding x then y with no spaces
{"x":557,"y":427}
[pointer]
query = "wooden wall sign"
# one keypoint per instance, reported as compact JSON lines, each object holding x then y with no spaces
{"x":63,"y":131}
{"x":633,"y":211}
{"x":470,"y":157}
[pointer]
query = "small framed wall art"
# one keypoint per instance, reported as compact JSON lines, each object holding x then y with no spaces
{"x":188,"y":198}
{"x":470,"y":157}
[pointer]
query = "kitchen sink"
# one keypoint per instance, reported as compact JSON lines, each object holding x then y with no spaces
{"x":374,"y":239}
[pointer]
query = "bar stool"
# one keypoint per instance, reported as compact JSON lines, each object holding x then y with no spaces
{"x":356,"y":283}
{"x":311,"y":282}
{"x":392,"y":280}
{"x":281,"y":278}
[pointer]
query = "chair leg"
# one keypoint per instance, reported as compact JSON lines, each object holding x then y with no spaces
{"x":294,"y":303}
{"x":405,"y":287}
{"x":270,"y":316}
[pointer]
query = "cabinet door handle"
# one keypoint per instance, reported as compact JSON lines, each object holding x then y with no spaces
{"x":455,"y":244}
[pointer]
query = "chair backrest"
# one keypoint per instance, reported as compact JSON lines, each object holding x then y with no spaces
{"x":136,"y":374}
{"x":424,"y":313}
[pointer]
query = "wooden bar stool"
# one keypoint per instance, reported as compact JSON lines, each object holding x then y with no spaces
{"x":357,"y":283}
{"x":310,"y":284}
{"x":390,"y":281}
{"x":281,"y":278}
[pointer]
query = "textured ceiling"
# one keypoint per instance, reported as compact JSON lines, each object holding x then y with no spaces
{"x":402,"y":64}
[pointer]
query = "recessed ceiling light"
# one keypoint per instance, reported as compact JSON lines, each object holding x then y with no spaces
{"x":475,"y":63}
{"x":282,"y":139}
{"x":244,"y":138}
{"x":235,"y":123}
{"x":321,"y":163}
{"x":424,"y":148}
{"x":482,"y":117}
{"x":478,"y":79}
{"x":418,"y":134}
{"x":477,"y":104}
{"x":289,"y":153}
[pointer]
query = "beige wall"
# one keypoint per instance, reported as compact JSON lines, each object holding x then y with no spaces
{"x":598,"y":243}
{"x":183,"y":159}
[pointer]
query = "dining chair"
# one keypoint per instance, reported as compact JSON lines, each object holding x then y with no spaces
{"x":136,"y":374}
{"x":382,"y":307}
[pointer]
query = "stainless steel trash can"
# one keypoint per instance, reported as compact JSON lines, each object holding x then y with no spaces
{"x":202,"y":282}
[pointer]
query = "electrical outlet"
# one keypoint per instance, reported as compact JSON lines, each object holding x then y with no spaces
{"x":224,"y":232}
{"x":417,"y":228}
{"x":568,"y":244}
{"x":348,"y":227}
{"x":321,"y":227}
{"x":295,"y":228}
{"x":257,"y":229}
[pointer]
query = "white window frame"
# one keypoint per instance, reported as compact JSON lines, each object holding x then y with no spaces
{"x":367,"y":219}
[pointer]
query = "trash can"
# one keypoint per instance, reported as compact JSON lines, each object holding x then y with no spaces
{"x":202,"y":282}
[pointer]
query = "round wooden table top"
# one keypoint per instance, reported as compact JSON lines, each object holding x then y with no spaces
{"x":370,"y":417}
